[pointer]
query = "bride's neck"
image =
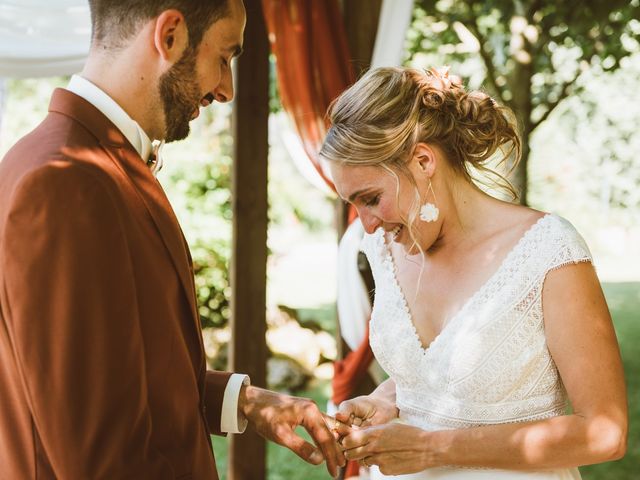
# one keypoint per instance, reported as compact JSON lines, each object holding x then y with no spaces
{"x":468,"y":215}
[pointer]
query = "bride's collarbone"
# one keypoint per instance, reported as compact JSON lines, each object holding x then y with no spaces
{"x":436,"y":288}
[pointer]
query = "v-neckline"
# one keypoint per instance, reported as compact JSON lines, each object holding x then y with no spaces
{"x":447,"y":326}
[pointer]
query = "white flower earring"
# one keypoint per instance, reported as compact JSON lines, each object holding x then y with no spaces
{"x":429,"y":212}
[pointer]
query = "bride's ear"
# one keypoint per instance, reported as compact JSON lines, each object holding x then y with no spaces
{"x":424,"y":159}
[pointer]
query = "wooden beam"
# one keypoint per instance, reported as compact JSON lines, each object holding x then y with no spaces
{"x":361,"y":22}
{"x":248,"y":348}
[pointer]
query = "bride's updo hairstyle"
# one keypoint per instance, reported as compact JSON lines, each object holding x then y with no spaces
{"x":379,"y":120}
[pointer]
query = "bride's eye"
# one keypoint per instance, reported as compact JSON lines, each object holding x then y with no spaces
{"x":372,"y":202}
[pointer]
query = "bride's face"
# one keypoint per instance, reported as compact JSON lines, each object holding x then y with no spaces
{"x":383,"y":200}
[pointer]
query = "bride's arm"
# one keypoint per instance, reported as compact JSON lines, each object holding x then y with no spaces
{"x":583,"y":344}
{"x":386,"y":390}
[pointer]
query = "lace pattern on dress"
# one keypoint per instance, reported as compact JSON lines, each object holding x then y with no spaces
{"x":490,"y":363}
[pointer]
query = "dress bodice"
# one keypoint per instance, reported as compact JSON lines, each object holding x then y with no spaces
{"x":490,"y":364}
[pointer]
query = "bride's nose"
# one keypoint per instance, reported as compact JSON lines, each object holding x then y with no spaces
{"x":369,"y":221}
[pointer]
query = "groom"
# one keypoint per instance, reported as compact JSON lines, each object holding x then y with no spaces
{"x":102,"y":368}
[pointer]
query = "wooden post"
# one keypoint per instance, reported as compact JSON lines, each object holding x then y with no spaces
{"x":361,"y":22}
{"x":248,"y":349}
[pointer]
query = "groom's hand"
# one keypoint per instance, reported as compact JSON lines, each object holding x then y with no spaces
{"x":275,"y":416}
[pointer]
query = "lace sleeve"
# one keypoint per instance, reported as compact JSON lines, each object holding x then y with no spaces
{"x":570,"y":246}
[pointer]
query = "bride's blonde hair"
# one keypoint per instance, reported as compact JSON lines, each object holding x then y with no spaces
{"x":379,"y":120}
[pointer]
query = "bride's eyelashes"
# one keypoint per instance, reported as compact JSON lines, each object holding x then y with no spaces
{"x":372,"y":202}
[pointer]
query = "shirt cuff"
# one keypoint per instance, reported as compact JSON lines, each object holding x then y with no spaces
{"x":232,"y":421}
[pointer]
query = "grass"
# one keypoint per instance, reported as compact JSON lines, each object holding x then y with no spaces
{"x":624,"y":303}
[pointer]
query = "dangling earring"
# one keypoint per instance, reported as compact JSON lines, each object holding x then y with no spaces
{"x":429,"y":212}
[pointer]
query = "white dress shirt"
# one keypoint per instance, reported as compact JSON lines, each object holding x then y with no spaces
{"x":232,"y":420}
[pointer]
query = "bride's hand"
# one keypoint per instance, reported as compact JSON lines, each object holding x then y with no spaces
{"x":396,"y":448}
{"x":367,"y":410}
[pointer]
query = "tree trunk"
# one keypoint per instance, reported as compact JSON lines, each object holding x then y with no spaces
{"x":521,"y":89}
{"x":519,"y":176}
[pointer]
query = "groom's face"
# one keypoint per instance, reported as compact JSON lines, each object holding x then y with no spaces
{"x":203,"y":74}
{"x":180,"y":94}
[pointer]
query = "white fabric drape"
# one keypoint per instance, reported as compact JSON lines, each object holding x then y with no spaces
{"x":40,"y":38}
{"x":354,"y":306}
{"x":395,"y":17}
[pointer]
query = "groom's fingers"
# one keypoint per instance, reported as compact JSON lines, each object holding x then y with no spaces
{"x":316,"y":424}
{"x":288,"y":438}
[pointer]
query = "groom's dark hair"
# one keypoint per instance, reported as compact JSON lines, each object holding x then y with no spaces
{"x":115,"y":21}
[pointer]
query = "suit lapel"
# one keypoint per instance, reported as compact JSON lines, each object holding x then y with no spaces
{"x":158,"y":206}
{"x":127,"y":160}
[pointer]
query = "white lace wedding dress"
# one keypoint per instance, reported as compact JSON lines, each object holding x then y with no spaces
{"x":490,"y":364}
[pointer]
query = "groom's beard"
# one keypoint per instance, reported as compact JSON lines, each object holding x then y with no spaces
{"x":180,"y":96}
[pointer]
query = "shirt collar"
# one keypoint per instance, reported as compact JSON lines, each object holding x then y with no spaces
{"x":114,"y":112}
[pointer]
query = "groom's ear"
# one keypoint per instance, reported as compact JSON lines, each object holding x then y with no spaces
{"x":171,"y":36}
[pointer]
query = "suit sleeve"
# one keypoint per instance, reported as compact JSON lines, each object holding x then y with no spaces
{"x":74,"y":326}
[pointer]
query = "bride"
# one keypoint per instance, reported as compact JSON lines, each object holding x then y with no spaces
{"x":488,"y":316}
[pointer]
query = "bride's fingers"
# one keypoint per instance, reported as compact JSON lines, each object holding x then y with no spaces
{"x":345,"y":414}
{"x":357,"y":438}
{"x":337,"y":428}
{"x":342,"y":429}
{"x":357,"y":453}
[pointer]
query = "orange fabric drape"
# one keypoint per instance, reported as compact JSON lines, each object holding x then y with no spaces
{"x":313,"y":67}
{"x":312,"y":64}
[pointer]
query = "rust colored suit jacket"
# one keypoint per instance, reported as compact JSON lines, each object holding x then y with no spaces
{"x":102,"y":368}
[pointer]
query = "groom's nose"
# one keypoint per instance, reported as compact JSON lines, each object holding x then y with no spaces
{"x":224,"y":91}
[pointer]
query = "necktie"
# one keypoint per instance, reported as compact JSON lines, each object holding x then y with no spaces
{"x":155,"y":157}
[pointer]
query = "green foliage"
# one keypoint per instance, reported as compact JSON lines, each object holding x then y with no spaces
{"x":25,"y":106}
{"x":529,"y":54}
{"x":197,"y":179}
{"x":592,"y":141}
{"x":532,"y":51}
